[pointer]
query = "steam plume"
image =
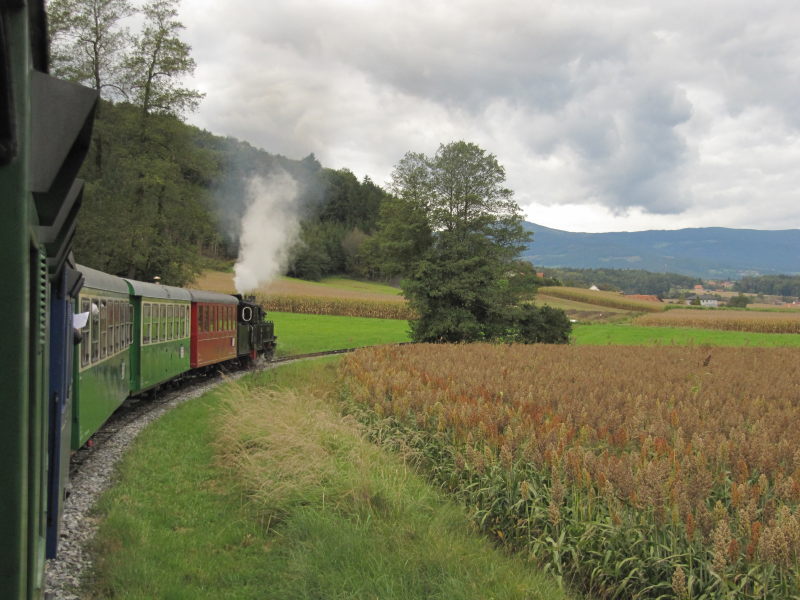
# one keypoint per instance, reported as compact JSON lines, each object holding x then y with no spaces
{"x":270,"y":226}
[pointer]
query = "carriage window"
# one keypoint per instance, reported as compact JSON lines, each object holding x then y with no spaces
{"x":86,"y":344}
{"x":112,"y":326}
{"x":123,"y":314}
{"x":123,"y":329}
{"x":212,"y":318}
{"x":117,"y":327}
{"x":156,"y":323}
{"x":120,"y":342}
{"x":206,"y":310}
{"x":95,"y":317}
{"x":162,"y":322}
{"x":103,"y":329}
{"x":146,"y":323}
{"x":170,"y":322}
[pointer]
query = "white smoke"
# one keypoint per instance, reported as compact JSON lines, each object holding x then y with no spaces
{"x":270,"y":227}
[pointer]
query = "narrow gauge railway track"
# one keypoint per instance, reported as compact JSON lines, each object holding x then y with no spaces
{"x":138,"y":407}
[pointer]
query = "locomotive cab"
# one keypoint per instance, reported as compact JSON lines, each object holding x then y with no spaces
{"x":255,"y":334}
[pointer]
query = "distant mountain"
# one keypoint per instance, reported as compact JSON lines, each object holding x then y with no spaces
{"x":708,"y":252}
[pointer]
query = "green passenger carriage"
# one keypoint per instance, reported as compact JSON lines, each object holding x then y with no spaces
{"x":103,"y":357}
{"x":160,"y":350}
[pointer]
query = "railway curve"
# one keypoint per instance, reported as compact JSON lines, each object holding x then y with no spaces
{"x":92,"y":467}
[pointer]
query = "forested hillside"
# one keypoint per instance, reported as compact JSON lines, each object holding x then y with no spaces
{"x":774,"y":285}
{"x":161,"y":195}
{"x":630,"y":281}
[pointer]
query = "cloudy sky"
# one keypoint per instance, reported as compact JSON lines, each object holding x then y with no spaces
{"x":608,"y":115}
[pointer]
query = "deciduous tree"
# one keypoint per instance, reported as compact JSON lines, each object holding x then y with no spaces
{"x":89,"y":44}
{"x":159,"y":60}
{"x":458,"y":230}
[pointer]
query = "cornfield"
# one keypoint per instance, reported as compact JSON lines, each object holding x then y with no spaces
{"x":629,"y":472}
{"x":609,"y":299}
{"x":729,"y":320}
{"x":346,"y":307}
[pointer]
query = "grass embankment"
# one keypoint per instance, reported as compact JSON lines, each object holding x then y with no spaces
{"x":633,"y":335}
{"x":261,"y":490}
{"x":301,"y":334}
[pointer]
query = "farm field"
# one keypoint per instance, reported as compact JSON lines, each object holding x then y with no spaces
{"x":331,"y":305}
{"x":261,"y":490}
{"x":600,"y":334}
{"x":664,"y":472}
{"x":604,"y":299}
{"x":583,"y":311}
{"x":337,"y":287}
{"x":730,"y":320}
{"x":302,"y":334}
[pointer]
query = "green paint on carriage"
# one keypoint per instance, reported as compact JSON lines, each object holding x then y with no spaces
{"x":102,"y":358}
{"x":160,"y":349}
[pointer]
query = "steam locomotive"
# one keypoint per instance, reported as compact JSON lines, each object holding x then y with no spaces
{"x":76,"y":342}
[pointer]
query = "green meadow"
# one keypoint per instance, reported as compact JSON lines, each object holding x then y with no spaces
{"x":302,"y":334}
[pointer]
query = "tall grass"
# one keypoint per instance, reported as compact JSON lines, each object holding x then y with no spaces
{"x":262,"y":491}
{"x":365,"y":525}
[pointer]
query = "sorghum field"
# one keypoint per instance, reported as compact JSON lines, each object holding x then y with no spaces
{"x":345,"y":307}
{"x":729,"y":320}
{"x":608,"y":299}
{"x":662,"y":472}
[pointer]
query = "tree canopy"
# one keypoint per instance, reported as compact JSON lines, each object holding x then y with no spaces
{"x":454,"y":233}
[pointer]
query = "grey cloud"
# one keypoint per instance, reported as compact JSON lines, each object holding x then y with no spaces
{"x":638,"y":106}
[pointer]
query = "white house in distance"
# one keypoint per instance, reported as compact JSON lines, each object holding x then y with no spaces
{"x":706,"y":300}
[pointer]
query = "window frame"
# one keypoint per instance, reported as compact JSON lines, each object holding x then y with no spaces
{"x":147,"y":323}
{"x":86,"y":336}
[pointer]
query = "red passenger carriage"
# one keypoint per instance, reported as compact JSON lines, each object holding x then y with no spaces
{"x":213,"y":328}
